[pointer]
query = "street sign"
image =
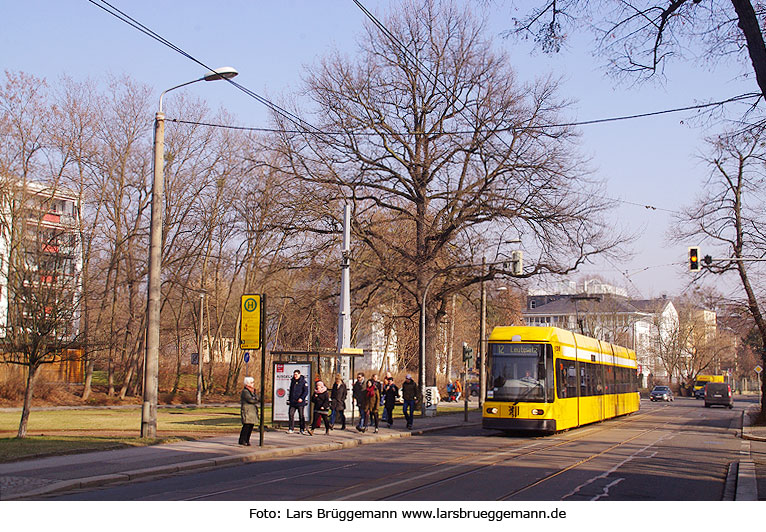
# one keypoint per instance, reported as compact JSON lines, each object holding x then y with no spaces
{"x":247,"y":357}
{"x":250,"y":326}
{"x":758,"y":369}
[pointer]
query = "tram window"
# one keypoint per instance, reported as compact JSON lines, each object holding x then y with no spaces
{"x":566,"y":379}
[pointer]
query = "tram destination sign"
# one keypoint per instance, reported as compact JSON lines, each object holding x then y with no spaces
{"x":517,"y":349}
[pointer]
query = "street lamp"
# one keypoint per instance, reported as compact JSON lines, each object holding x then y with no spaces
{"x":152,"y":355}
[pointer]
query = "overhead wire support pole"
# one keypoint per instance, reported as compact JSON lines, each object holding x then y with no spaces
{"x":422,"y":350}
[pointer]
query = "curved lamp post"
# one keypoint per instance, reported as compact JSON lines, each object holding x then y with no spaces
{"x":151,"y":357}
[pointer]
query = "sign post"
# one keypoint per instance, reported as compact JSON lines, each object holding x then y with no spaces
{"x":758,"y":370}
{"x":251,"y":336}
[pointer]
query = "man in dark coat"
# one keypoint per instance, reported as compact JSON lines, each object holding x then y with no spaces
{"x":338,"y":402}
{"x":390,"y":393}
{"x":299,"y":390}
{"x":410,"y":395}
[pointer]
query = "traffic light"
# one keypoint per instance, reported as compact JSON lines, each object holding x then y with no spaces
{"x":467,"y":354}
{"x":694,"y":259}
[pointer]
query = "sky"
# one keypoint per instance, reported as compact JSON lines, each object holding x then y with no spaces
{"x":648,"y":161}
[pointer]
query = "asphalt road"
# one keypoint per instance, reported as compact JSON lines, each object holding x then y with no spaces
{"x":666,"y":452}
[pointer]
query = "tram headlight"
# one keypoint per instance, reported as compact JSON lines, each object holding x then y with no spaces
{"x":538,"y":412}
{"x":492,"y":410}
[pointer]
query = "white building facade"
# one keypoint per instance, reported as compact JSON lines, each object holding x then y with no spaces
{"x":607,"y":313}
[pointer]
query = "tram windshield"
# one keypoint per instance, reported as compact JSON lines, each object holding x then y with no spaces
{"x":520,"y":372}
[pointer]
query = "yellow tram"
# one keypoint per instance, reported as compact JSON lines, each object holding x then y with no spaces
{"x":548,"y":379}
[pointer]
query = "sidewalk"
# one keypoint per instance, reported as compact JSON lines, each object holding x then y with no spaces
{"x":751,"y":473}
{"x":31,"y":479}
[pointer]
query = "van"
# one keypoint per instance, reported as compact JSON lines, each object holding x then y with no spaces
{"x":699,"y":384}
{"x":718,"y":393}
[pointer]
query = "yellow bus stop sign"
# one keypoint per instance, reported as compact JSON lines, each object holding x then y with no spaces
{"x":250,"y":327}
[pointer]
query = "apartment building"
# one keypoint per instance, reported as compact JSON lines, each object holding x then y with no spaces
{"x":41,"y":272}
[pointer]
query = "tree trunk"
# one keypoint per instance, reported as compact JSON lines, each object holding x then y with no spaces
{"x":31,"y":379}
{"x":88,"y":377}
{"x":748,"y":23}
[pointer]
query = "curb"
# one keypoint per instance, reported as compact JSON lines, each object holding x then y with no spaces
{"x":223,"y":461}
{"x":746,"y":488}
{"x":747,"y":432}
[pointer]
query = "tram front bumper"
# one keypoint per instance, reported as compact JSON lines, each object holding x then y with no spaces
{"x":530,"y":425}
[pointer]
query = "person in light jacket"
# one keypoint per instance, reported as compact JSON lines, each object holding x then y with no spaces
{"x":248,"y":410}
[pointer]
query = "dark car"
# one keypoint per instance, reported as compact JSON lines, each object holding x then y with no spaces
{"x":718,"y":393}
{"x":473,"y":389}
{"x":661,"y":393}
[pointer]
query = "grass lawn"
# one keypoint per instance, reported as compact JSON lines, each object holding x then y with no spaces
{"x":125,"y":422}
{"x":66,"y":431}
{"x":12,"y":449}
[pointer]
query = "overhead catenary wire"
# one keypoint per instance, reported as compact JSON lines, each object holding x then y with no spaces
{"x":303,"y":125}
{"x":124,"y":17}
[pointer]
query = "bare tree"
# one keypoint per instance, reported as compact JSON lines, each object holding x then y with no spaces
{"x":729,"y":219}
{"x":429,"y":133}
{"x":642,"y":38}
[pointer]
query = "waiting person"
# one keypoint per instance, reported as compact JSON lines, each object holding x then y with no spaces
{"x":379,"y":386}
{"x":338,"y":402}
{"x":321,"y":400}
{"x":390,"y":393}
{"x":410,"y":394}
{"x":358,"y":394}
{"x":371,"y":404}
{"x":248,"y":410}
{"x":299,"y":390}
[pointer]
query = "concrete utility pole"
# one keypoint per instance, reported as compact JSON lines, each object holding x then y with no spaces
{"x":152,"y":355}
{"x":344,"y":309}
{"x":151,"y":364}
{"x":199,"y":348}
{"x":482,"y":338}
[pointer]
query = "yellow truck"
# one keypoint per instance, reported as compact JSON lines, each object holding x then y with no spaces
{"x":702,"y":380}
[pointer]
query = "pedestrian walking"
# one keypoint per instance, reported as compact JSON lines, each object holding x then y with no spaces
{"x":358,"y":394}
{"x":248,"y":410}
{"x":410,"y":394}
{"x":371,"y":404}
{"x":458,"y":390}
{"x":296,"y":399}
{"x":321,"y":400}
{"x":338,"y":402}
{"x":390,"y":393}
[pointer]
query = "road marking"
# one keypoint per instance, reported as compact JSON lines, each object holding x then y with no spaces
{"x":616,"y":467}
{"x":280,"y":479}
{"x":431,"y":473}
{"x":605,"y":492}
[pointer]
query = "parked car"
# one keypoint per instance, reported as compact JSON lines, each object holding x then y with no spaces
{"x":661,"y":393}
{"x":474,"y":389}
{"x":718,"y":393}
